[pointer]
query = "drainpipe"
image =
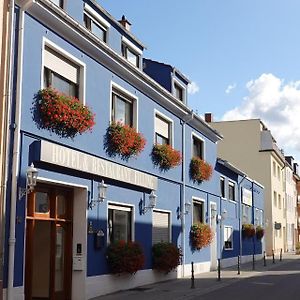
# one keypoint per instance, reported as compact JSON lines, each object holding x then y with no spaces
{"x":182,"y":199}
{"x":240,"y":217}
{"x":16,"y":156}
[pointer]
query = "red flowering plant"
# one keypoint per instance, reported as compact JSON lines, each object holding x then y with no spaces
{"x":61,"y":114}
{"x":200,"y":170}
{"x":125,"y":257}
{"x":201,"y":236}
{"x":248,"y":230}
{"x":165,"y":156}
{"x":260,"y":232}
{"x":123,"y":140}
{"x":166,"y":257}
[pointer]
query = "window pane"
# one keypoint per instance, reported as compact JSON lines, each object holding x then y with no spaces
{"x":197,"y":148}
{"x":98,"y":31}
{"x":132,"y":57}
{"x":63,"y":85}
{"x":178,"y":92}
{"x":42,"y":204}
{"x":122,"y":111}
{"x":59,"y":259}
{"x":197,"y":212}
{"x":61,"y":205}
{"x":231,"y":194}
{"x":161,"y":140}
{"x":222,"y":187}
{"x":119,"y":225}
{"x":58,"y":2}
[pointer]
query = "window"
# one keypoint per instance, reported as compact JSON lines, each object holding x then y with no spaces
{"x":279,"y":201}
{"x":59,"y":3}
{"x":228,"y":238}
{"x":275,"y":199}
{"x":198,"y":212}
{"x":60,"y":73}
{"x":179,"y":92}
{"x":162,"y":130}
{"x":278,"y":172}
{"x":274,"y":168}
{"x":258,"y":217}
{"x":198,"y":147}
{"x":95,"y":27}
{"x":119,"y":223}
{"x":122,"y":108}
{"x":131,"y":55}
{"x":247,"y":214}
{"x":231,"y":191}
{"x":161,"y":227}
{"x":222,"y":186}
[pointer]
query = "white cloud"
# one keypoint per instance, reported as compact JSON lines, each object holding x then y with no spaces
{"x":193,"y":88}
{"x":277,"y":104}
{"x":230,"y":88}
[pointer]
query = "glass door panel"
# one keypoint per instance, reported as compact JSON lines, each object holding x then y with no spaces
{"x":59,"y":259}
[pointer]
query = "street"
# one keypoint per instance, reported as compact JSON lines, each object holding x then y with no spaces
{"x":276,"y":281}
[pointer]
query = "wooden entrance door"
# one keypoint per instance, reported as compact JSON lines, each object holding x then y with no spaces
{"x":48,"y":270}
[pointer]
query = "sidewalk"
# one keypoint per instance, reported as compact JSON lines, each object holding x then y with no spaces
{"x":180,"y":289}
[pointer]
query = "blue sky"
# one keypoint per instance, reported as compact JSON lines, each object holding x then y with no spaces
{"x":249,"y":48}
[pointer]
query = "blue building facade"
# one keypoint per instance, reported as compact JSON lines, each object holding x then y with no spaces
{"x":57,"y":234}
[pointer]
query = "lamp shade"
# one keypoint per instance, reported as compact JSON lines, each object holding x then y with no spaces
{"x":31,"y":176}
{"x":102,"y":188}
{"x":152,"y":200}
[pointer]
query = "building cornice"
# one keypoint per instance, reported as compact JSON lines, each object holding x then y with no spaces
{"x":59,"y":21}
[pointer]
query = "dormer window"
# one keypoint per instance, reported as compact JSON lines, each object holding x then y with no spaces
{"x":131,"y":52}
{"x":59,"y":3}
{"x":179,"y":91}
{"x":95,"y":27}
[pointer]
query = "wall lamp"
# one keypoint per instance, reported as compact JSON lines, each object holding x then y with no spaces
{"x":31,"y":178}
{"x":187,"y":208}
{"x":222,"y":216}
{"x":152,"y":203}
{"x":101,"y":195}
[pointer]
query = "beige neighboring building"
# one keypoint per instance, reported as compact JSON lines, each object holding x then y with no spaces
{"x":3,"y":119}
{"x":250,"y":146}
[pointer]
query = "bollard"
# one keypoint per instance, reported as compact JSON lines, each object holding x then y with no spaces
{"x":253,"y":262}
{"x":273,"y":255}
{"x":265,"y":261}
{"x":192,"y":278}
{"x":219,"y":269}
{"x":280,"y":257}
{"x":239,"y":265}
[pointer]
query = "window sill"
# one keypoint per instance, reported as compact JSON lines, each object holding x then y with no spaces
{"x":228,"y":249}
{"x":232,"y":201}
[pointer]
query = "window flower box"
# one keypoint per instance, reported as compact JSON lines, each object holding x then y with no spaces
{"x":125,"y":257}
{"x":248,"y":231}
{"x":201,"y":236}
{"x":166,"y":257}
{"x":200,"y":170}
{"x":165,"y":156}
{"x":123,"y":140}
{"x":260,"y":232}
{"x":61,"y":114}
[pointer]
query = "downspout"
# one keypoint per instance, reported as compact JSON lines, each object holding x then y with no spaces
{"x":7,"y":113}
{"x":15,"y":160}
{"x":240,"y":217}
{"x":182,"y":199}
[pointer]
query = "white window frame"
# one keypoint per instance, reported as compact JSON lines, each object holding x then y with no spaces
{"x":223,"y":178}
{"x":196,"y":136}
{"x":81,"y":66}
{"x":225,"y":227}
{"x":125,"y":207}
{"x":167,"y":119}
{"x":131,"y":96}
{"x":134,"y":49}
{"x":231,"y":183}
{"x":198,"y":200}
{"x":169,"y":212}
{"x":184,"y":90}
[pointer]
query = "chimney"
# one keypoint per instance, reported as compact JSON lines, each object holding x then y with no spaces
{"x":125,"y":23}
{"x":208,"y":117}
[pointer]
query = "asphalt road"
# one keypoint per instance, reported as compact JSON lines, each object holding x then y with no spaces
{"x":280,"y":283}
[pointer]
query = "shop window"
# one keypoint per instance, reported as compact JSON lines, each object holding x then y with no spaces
{"x":119,"y":223}
{"x":228,"y":238}
{"x":161,"y":228}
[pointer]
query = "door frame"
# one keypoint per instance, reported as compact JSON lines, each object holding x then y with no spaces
{"x":31,"y":218}
{"x":214,"y":244}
